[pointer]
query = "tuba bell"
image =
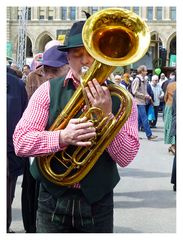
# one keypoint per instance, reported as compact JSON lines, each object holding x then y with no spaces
{"x":113,"y":37}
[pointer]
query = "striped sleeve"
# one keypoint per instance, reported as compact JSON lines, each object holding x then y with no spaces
{"x":30,"y":137}
{"x":125,"y":145}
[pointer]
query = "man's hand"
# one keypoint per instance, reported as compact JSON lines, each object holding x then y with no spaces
{"x":78,"y":132}
{"x":99,"y":96}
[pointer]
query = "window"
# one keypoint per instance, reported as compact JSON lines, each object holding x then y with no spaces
{"x":50,"y":17}
{"x":173,"y":13}
{"x":63,"y":13}
{"x":150,"y":13}
{"x":136,"y":10}
{"x":72,"y":13}
{"x":41,"y":17}
{"x":29,"y":13}
{"x":41,"y":13}
{"x":50,"y":13}
{"x":159,"y":13}
{"x":128,"y":8}
{"x":94,"y":9}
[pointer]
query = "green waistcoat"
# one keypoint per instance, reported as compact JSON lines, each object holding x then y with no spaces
{"x":104,"y":176}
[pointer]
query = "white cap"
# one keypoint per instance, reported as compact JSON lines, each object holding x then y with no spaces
{"x":51,"y":44}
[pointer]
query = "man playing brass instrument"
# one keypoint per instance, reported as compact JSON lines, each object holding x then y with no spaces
{"x":87,"y":206}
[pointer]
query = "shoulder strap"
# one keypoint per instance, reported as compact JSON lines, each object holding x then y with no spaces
{"x":139,"y":81}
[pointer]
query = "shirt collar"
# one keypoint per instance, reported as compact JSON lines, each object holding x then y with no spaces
{"x":70,"y":77}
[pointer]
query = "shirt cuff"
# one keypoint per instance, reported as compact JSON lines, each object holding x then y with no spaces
{"x":58,"y":144}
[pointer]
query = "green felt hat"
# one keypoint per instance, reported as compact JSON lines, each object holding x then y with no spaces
{"x":74,"y":39}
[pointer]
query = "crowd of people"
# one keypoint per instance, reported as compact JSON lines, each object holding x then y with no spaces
{"x":152,"y":95}
{"x":41,"y":93}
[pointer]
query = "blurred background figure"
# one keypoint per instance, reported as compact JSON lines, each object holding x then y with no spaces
{"x":16,"y":103}
{"x":133,"y":74}
{"x":171,"y":78}
{"x":25,"y":70}
{"x":16,"y":68}
{"x":162,"y":79}
{"x":168,"y":138}
{"x":9,"y":61}
{"x":36,"y":61}
{"x":149,"y":101}
{"x":139,"y":91}
{"x":54,"y":63}
{"x":158,"y":95}
{"x":117,"y":79}
{"x":173,"y":133}
{"x":125,"y":80}
{"x":37,"y":76}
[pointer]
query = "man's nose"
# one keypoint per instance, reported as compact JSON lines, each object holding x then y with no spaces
{"x":85,"y":60}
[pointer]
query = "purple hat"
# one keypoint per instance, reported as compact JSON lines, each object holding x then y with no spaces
{"x":54,"y":58}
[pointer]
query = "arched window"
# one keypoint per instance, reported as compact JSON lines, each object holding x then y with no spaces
{"x":29,"y":48}
{"x":43,"y":41}
{"x":173,"y":46}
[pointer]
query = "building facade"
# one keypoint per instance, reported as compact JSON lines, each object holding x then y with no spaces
{"x":47,"y":23}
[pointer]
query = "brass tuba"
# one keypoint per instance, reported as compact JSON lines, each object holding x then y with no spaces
{"x":113,"y":37}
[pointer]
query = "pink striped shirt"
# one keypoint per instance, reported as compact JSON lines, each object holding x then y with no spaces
{"x":31,"y":139}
